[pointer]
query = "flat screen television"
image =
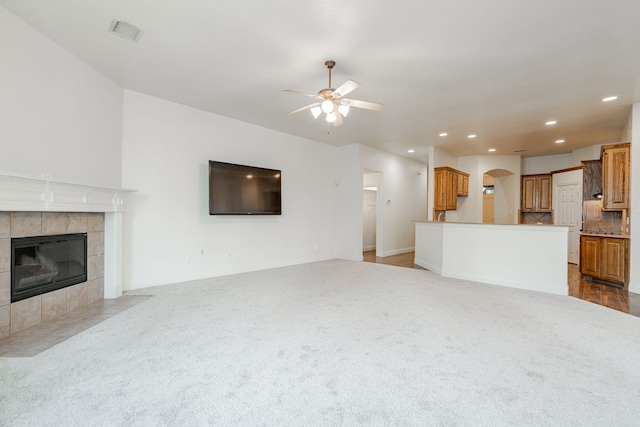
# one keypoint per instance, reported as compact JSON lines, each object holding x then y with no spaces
{"x":243,"y":190}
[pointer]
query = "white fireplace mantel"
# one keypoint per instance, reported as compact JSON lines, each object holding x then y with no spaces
{"x":34,"y":193}
{"x":42,"y":194}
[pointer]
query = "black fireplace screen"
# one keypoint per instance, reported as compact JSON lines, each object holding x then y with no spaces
{"x":46,"y":263}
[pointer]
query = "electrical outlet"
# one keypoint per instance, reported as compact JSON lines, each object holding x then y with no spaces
{"x":188,"y":260}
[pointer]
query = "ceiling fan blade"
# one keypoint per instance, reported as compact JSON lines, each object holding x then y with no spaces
{"x":346,"y":87}
{"x":339,"y":121}
{"x":375,"y":106}
{"x":301,"y":93}
{"x":315,"y":104}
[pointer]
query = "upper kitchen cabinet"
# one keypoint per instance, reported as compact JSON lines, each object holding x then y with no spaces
{"x":536,"y":193}
{"x":535,"y":199}
{"x":449,"y":183}
{"x":615,"y":176}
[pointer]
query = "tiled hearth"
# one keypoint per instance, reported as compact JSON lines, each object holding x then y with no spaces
{"x":21,"y":315}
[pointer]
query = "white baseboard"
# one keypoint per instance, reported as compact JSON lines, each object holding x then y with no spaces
{"x":396,"y":252}
{"x":428,"y":266}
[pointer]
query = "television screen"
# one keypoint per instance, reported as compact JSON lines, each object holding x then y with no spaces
{"x":243,"y":190}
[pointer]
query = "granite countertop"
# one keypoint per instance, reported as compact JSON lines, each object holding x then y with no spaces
{"x":485,"y":223}
{"x":617,"y":236}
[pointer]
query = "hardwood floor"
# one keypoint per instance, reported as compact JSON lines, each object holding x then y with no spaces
{"x":401,"y":260}
{"x":608,"y":296}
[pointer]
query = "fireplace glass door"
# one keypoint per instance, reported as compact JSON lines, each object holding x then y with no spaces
{"x":46,"y":263}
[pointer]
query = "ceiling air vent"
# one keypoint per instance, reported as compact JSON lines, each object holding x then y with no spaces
{"x":125,"y":30}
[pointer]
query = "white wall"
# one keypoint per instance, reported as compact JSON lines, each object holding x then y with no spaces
{"x":402,"y":197}
{"x":634,"y":207}
{"x":507,"y":255}
{"x":347,"y":203}
{"x":587,"y":153}
{"x":546,"y":164}
{"x":507,"y":197}
{"x":166,"y":149}
{"x":627,"y":133}
{"x":58,"y":116}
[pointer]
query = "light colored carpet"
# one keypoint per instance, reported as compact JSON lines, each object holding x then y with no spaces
{"x":336,"y":343}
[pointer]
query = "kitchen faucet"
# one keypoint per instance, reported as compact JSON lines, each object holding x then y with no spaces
{"x":442,"y":214}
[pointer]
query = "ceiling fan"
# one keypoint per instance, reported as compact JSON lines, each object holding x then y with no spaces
{"x":331,"y":101}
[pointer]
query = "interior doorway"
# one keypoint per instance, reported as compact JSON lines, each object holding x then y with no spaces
{"x":369,"y":218}
{"x":371,"y":212}
{"x":488,"y":199}
{"x":567,"y":195}
{"x":502,"y":186}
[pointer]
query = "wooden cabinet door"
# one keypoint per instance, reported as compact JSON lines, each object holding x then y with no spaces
{"x":544,"y":193}
{"x":528,"y":193}
{"x":613,"y":260}
{"x":463,"y":185}
{"x":440,"y":190}
{"x":590,"y":255}
{"x":615,"y":178}
{"x":452,"y":191}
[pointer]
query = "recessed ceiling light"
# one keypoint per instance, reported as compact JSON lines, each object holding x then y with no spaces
{"x":471,"y":136}
{"x":491,"y":150}
{"x":411,"y":151}
{"x":551,"y":122}
{"x":559,"y":141}
{"x":609,"y":98}
{"x":444,"y":134}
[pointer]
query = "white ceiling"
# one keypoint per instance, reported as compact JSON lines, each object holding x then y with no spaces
{"x":496,"y":68}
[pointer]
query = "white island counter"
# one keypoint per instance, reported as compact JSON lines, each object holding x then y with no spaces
{"x":530,"y":257}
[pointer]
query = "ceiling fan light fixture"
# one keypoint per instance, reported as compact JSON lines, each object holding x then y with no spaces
{"x":316,"y":111}
{"x":343,"y":109}
{"x":327,"y":106}
{"x":330,"y":101}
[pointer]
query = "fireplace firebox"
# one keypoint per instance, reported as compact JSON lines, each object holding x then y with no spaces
{"x":47,"y":263}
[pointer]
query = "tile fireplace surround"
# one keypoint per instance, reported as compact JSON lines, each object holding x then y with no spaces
{"x":36,"y":206}
{"x":18,"y":316}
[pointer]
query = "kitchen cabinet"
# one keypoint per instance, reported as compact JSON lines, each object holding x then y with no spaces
{"x":535,"y":199}
{"x":536,"y":193}
{"x":605,"y":258}
{"x":463,"y":184}
{"x":449,"y":183}
{"x":590,"y":255}
{"x":615,"y":176}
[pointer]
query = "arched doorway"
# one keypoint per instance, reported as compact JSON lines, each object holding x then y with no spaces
{"x":499,"y":196}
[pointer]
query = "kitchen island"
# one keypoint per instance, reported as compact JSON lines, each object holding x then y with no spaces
{"x":532,"y":257}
